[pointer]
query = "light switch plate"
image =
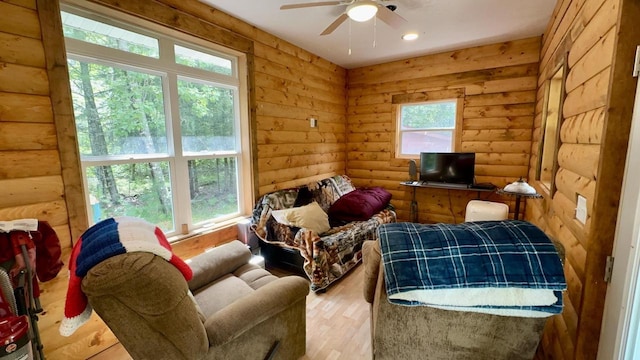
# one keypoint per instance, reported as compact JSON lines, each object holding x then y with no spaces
{"x":581,"y":209}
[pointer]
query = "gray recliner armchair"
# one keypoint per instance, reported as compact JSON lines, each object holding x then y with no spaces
{"x":238,"y":311}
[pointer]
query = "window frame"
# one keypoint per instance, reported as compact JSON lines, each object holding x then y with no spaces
{"x":425,"y":97}
{"x":561,"y":66}
{"x":171,"y":74}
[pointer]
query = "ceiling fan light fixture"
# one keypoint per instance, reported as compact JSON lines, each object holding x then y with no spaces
{"x":362,"y":10}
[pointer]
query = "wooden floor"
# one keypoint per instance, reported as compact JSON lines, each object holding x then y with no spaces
{"x":337,"y":323}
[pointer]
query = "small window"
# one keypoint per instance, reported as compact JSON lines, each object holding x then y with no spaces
{"x":551,"y":123}
{"x":426,"y":127}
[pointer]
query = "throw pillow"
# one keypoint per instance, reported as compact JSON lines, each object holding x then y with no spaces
{"x":359,"y":205}
{"x":310,"y":217}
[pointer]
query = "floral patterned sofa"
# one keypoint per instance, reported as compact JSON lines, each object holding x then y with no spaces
{"x":332,"y":253}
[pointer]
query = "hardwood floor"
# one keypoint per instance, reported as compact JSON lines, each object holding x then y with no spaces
{"x":337,"y":323}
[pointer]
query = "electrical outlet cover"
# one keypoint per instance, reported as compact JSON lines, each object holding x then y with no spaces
{"x":581,"y":209}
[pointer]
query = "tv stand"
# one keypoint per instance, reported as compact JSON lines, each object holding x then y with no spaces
{"x":484,"y":187}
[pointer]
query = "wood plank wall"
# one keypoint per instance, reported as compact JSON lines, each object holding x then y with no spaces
{"x":594,"y":136}
{"x":289,"y":86}
{"x":499,"y":84}
{"x":30,"y":173}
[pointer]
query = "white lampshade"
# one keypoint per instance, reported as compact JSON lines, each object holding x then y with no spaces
{"x":520,"y":187}
{"x":362,"y":10}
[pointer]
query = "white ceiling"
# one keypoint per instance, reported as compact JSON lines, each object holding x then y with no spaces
{"x":442,"y":24}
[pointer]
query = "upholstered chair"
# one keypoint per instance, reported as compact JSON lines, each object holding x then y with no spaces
{"x":422,"y":332}
{"x":238,"y":310}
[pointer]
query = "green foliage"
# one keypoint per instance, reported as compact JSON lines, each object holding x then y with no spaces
{"x":440,"y":115}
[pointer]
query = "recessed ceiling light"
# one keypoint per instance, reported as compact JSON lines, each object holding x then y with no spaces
{"x":409,"y":36}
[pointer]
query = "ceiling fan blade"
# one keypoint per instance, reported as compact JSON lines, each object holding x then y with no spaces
{"x":392,"y":19}
{"x":304,"y":5}
{"x":334,"y":25}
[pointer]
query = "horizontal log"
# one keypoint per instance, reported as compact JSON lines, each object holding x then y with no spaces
{"x":298,"y":137}
{"x":21,"y":50}
{"x":502,"y":98}
{"x":25,"y":164}
{"x":23,"y":79}
{"x":501,"y":85}
{"x":297,"y":182}
{"x":292,"y":112}
{"x":362,"y":155}
{"x":502,"y":170}
{"x":496,"y":146}
{"x":35,"y":190}
{"x":275,"y":177}
{"x":373,"y":128}
{"x":363,"y":119}
{"x":580,"y":159}
{"x":293,"y":161}
{"x":498,"y":111}
{"x":54,"y":212}
{"x":19,"y":21}
{"x":499,"y":135}
{"x":25,"y":108}
{"x":588,"y":96}
{"x":274,"y":150}
{"x":502,"y":159}
{"x":511,"y":122}
{"x":585,"y":128}
{"x":593,"y":62}
{"x":270,"y":123}
{"x":369,"y":137}
{"x":285,"y":98}
{"x":27,"y":136}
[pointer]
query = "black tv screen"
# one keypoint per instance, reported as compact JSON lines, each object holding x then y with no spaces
{"x":452,"y":168}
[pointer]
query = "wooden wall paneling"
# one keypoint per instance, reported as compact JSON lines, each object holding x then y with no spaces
{"x":19,"y":20}
{"x":21,"y":50}
{"x":25,"y":107}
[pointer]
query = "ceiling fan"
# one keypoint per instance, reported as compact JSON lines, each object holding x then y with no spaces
{"x":357,"y":10}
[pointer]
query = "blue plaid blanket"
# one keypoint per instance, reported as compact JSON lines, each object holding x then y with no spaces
{"x":494,"y":258}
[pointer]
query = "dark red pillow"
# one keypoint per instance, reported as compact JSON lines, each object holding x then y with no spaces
{"x":359,"y":205}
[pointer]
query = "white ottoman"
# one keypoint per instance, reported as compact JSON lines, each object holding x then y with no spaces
{"x":479,"y":210}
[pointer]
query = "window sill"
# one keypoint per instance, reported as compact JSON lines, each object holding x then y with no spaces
{"x":209,"y":228}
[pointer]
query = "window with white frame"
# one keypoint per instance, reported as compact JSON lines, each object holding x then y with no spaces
{"x":426,"y":127}
{"x":161,"y":123}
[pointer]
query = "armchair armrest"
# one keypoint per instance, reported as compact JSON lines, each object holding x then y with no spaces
{"x":371,"y":258}
{"x":243,"y":314}
{"x":219,"y":261}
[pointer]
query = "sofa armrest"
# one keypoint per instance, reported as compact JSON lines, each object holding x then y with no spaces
{"x":371,"y":259}
{"x":245,"y":313}
{"x":219,"y":261}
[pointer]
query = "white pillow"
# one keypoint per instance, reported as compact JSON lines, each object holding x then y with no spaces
{"x":310,"y":217}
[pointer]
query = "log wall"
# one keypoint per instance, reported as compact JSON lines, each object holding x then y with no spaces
{"x":288,"y":85}
{"x":498,"y":84}
{"x":593,"y":144}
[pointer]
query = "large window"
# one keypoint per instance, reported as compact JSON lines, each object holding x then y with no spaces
{"x":161,"y":129}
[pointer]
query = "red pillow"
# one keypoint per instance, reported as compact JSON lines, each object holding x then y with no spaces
{"x":359,"y":205}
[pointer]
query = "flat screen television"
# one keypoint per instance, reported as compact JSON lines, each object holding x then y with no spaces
{"x":450,"y":168}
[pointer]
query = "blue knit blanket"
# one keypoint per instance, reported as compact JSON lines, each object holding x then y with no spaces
{"x":497,"y":267}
